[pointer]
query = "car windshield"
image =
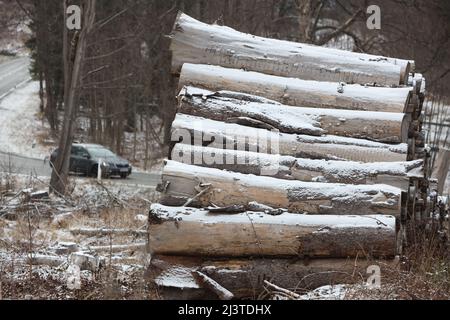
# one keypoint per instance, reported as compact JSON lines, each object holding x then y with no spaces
{"x":101,"y":152}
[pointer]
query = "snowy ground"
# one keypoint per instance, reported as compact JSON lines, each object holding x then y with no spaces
{"x":22,"y":128}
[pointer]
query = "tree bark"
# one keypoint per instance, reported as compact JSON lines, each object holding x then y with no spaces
{"x":296,"y":92}
{"x":196,"y":232}
{"x":238,"y":108}
{"x":197,"y":42}
{"x":203,"y":187}
{"x":72,"y":72}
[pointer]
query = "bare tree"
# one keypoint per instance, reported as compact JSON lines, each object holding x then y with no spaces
{"x":73,"y":57}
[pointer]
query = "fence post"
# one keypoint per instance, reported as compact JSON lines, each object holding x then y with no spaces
{"x":99,"y":171}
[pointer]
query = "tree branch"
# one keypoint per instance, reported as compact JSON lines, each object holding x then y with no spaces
{"x":339,"y":30}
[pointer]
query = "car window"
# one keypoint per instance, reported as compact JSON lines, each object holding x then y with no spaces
{"x":79,"y":152}
{"x":101,"y":152}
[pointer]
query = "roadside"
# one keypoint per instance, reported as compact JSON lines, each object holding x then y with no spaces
{"x":21,"y":125}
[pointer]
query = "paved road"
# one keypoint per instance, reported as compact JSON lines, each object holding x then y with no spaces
{"x":13,"y":73}
{"x":23,"y":165}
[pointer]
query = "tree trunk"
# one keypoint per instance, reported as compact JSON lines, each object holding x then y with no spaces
{"x":201,"y":186}
{"x":238,"y":108}
{"x":396,"y":174}
{"x":196,"y":232}
{"x":296,"y":92}
{"x":201,"y":131}
{"x":72,"y":72}
{"x":197,"y":42}
{"x":441,"y":169}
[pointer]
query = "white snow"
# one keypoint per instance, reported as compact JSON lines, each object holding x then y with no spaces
{"x":177,"y":277}
{"x":329,"y":292}
{"x":20,"y":124}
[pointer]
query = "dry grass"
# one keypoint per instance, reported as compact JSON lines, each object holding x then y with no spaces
{"x":424,"y":273}
{"x":26,"y":231}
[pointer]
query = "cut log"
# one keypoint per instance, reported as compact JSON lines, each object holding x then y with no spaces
{"x":197,"y":42}
{"x":296,"y":92}
{"x":245,"y":278}
{"x":87,"y":261}
{"x":290,"y":294}
{"x":106,"y":232}
{"x":52,"y":261}
{"x":183,"y":182}
{"x":65,"y":247}
{"x":200,"y":131}
{"x":213,"y":286}
{"x":396,"y":174}
{"x":242,"y":109}
{"x":119,"y":247}
{"x":196,"y":232}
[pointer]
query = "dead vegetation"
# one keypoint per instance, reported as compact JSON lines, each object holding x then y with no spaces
{"x":423,"y":274}
{"x":88,"y":245}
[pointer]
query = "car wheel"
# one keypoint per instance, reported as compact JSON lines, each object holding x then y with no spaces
{"x":123,"y":175}
{"x":94,"y":171}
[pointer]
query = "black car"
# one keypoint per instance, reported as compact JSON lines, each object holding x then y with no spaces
{"x":85,"y":158}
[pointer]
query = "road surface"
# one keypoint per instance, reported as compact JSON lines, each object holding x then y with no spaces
{"x":23,"y":165}
{"x":13,"y":73}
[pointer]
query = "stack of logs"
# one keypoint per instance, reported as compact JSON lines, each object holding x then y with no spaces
{"x":290,"y":163}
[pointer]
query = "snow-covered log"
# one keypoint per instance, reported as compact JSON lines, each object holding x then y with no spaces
{"x":206,"y":186}
{"x":297,"y":92}
{"x":200,"y":131}
{"x":196,"y":232}
{"x":245,"y":277}
{"x":396,"y":174}
{"x":41,"y":259}
{"x":197,"y":42}
{"x":254,"y":111}
{"x":120,"y":247}
{"x":93,"y":232}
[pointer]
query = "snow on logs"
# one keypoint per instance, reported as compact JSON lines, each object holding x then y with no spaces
{"x":297,"y":92}
{"x":200,"y":131}
{"x":267,"y":114}
{"x":187,"y":184}
{"x":396,"y":174}
{"x":197,"y":232}
{"x":195,"y":42}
